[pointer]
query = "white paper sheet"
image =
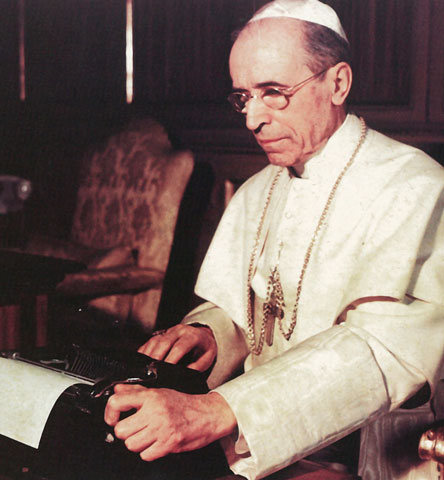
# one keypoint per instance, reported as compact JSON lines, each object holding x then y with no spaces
{"x":27,"y":396}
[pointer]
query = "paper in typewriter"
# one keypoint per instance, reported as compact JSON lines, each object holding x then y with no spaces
{"x":27,"y":396}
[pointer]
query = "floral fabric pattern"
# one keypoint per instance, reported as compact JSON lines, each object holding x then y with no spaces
{"x":119,"y":186}
{"x":130,"y":190}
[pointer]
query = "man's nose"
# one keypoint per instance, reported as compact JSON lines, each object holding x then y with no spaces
{"x":256,"y":114}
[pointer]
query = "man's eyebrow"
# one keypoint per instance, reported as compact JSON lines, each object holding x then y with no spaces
{"x":262,"y":85}
{"x":270,"y":84}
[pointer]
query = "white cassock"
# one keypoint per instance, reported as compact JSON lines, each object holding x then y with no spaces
{"x":370,"y":327}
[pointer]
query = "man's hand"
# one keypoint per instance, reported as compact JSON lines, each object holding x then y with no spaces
{"x":179,"y":340}
{"x":167,"y":421}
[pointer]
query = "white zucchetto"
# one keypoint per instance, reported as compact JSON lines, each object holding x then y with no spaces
{"x":308,"y":10}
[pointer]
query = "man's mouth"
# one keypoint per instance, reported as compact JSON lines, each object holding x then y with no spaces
{"x":269,"y":141}
{"x":271,"y":145}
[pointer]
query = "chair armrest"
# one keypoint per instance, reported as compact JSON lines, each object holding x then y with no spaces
{"x":110,"y":281}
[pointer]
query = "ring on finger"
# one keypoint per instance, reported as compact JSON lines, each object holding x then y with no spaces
{"x":159,"y":332}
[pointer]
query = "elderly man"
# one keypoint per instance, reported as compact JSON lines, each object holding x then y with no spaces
{"x":323,"y":280}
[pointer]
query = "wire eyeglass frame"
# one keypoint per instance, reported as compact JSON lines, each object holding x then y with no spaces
{"x":276,"y":98}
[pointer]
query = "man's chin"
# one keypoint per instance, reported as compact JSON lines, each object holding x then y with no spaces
{"x":280,"y":160}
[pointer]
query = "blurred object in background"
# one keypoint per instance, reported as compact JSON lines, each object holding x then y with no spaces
{"x":13,"y":193}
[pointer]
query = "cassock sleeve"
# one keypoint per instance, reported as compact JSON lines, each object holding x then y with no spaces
{"x":333,"y":383}
{"x":231,"y":345}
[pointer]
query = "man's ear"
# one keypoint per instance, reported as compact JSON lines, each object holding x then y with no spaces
{"x":342,"y":77}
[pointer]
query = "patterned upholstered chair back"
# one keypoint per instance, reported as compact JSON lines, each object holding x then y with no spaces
{"x":118,"y":183}
{"x":130,"y":190}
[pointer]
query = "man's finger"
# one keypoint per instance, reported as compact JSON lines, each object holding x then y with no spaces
{"x":154,"y":451}
{"x":118,"y":403}
{"x":131,"y":426}
{"x":203,"y":363}
{"x":157,"y":347}
{"x":141,"y":440}
{"x":179,"y":350}
{"x":127,"y":388}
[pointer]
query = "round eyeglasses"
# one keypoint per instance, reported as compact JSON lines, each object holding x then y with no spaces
{"x":276,"y":98}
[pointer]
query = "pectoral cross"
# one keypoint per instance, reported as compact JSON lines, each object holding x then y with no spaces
{"x":272,"y":311}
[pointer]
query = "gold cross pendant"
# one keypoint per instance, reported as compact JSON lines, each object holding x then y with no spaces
{"x":273,"y":311}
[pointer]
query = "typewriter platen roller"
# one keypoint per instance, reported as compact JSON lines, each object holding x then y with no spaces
{"x":77,"y":444}
{"x":106,"y":367}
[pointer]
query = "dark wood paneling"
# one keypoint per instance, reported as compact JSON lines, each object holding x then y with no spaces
{"x":380,"y":34}
{"x":182,"y":48}
{"x":75,"y":51}
{"x":390,"y":41}
{"x":9,"y":70}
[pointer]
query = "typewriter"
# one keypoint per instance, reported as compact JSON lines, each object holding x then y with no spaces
{"x":75,"y":443}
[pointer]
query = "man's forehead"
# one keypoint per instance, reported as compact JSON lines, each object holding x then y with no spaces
{"x":260,"y":57}
{"x":283,"y":36}
{"x":271,"y":40}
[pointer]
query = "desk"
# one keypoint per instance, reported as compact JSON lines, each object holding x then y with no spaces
{"x":23,"y":278}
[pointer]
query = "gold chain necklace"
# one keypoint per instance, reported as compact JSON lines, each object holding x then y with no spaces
{"x":273,"y":308}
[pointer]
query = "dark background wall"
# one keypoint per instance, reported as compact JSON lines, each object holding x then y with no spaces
{"x":75,"y":88}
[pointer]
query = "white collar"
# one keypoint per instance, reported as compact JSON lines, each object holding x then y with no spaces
{"x":328,"y":161}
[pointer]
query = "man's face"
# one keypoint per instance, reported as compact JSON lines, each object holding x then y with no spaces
{"x":270,"y":52}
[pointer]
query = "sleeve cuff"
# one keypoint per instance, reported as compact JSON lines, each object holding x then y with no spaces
{"x":231,"y":346}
